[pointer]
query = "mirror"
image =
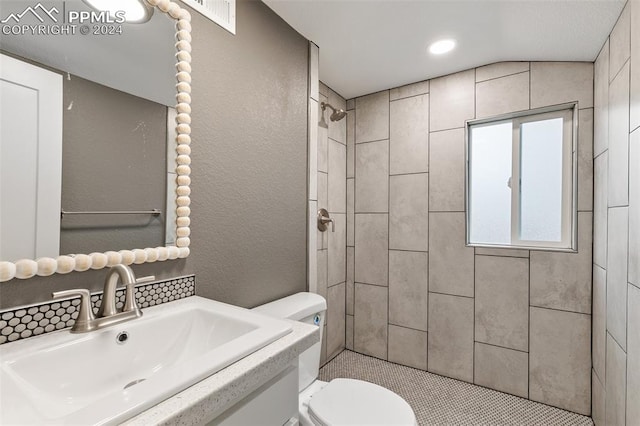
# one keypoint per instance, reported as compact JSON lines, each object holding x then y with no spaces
{"x":126,"y":92}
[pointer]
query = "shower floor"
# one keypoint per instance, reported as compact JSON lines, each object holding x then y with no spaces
{"x":438,"y":400}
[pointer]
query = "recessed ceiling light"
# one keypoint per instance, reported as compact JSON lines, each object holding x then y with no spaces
{"x":135,"y":12}
{"x":442,"y":46}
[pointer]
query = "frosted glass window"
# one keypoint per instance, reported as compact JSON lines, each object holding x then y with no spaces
{"x":490,"y":200}
{"x":520,"y":190}
{"x":541,"y":180}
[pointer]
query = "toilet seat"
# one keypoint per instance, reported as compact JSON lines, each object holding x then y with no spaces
{"x":356,"y":402}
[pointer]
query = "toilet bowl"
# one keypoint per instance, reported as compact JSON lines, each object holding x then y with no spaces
{"x":340,"y":401}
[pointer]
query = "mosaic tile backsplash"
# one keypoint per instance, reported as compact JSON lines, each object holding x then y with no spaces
{"x":26,"y":321}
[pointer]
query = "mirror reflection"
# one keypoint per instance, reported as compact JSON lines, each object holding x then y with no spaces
{"x":85,"y":126}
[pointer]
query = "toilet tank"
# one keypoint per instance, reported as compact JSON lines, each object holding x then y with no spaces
{"x":309,"y":308}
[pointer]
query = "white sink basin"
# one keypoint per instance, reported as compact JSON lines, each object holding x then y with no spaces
{"x":90,"y":378}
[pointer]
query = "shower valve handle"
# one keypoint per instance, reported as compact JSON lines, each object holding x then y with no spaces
{"x":324,"y":219}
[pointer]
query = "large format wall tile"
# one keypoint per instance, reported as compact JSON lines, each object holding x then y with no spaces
{"x":618,"y":234}
{"x":615,"y":384}
{"x":351,"y":252}
{"x":500,"y":69}
{"x":619,"y":139}
{"x":409,"y":138}
{"x":451,"y":336}
{"x":563,"y":280}
{"x":337,"y":253}
{"x":452,"y":100}
{"x":372,"y":246}
{"x":560,"y":359}
{"x":408,"y":289}
{"x":635,"y":65}
{"x":502,"y":301}
{"x":450,"y":261}
{"x":597,"y":400}
{"x":620,"y":42}
{"x":335,"y":320}
{"x":372,"y":117}
{"x":337,"y":192}
{"x":501,"y":369}
{"x":409,"y":212}
{"x":408,"y":347}
{"x":601,"y":101}
{"x":633,"y":358}
{"x":600,"y":210}
{"x":554,"y":83}
{"x":313,"y":151}
{"x":599,"y":321}
{"x":634,"y":207}
{"x":413,"y":89}
{"x":312,"y":253}
{"x":351,"y":143}
{"x":322,"y":238}
{"x":502,"y":95}
{"x":372,"y":177}
{"x":321,"y":286}
{"x":351,"y":207}
{"x":323,"y":143}
{"x":446,"y":171}
{"x":348,"y":344}
{"x":370,"y":320}
{"x":585,"y":159}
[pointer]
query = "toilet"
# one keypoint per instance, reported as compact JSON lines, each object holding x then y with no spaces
{"x":340,"y":401}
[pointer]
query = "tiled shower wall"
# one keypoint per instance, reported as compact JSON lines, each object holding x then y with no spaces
{"x":332,"y":163}
{"x":518,"y":321}
{"x":327,"y":189}
{"x":616,"y":249}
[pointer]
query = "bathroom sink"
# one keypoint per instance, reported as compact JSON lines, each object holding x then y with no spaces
{"x":107,"y":376}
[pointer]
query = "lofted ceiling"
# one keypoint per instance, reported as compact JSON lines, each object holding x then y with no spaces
{"x":372,"y":45}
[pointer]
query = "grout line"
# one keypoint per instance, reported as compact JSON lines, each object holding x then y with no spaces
{"x":452,"y":295}
{"x":442,"y":130}
{"x":500,"y":346}
{"x":429,"y":184}
{"x":500,"y":255}
{"x":502,"y":76}
{"x":377,"y":140}
{"x":406,"y":97}
{"x":621,"y":67}
{"x":408,"y":328}
{"x":408,"y":174}
{"x":388,"y":217}
{"x":557,"y":309}
{"x":473,"y":348}
{"x":409,"y":251}
{"x":341,"y":143}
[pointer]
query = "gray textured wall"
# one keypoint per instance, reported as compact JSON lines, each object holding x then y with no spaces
{"x":249,"y":167}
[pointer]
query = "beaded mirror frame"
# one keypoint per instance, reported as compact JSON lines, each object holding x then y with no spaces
{"x":46,"y":266}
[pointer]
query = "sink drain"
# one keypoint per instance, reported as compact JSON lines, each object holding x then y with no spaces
{"x":133,"y":383}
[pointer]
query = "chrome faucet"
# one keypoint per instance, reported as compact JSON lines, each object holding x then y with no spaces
{"x":107,"y":314}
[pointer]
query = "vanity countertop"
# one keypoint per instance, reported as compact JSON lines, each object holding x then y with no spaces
{"x":199,"y":403}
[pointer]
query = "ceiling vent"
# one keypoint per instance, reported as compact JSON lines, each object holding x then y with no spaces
{"x":222,"y":12}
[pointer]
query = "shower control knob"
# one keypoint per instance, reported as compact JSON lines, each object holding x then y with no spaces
{"x":324,"y":220}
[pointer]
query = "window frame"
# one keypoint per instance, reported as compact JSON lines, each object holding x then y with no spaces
{"x":569,"y":113}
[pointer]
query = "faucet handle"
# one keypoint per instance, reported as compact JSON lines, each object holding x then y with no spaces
{"x":85,"y":319}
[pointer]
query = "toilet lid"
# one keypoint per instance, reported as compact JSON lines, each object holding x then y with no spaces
{"x":355,"y":402}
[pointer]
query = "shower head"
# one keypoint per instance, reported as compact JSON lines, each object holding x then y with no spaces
{"x":337,"y":115}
